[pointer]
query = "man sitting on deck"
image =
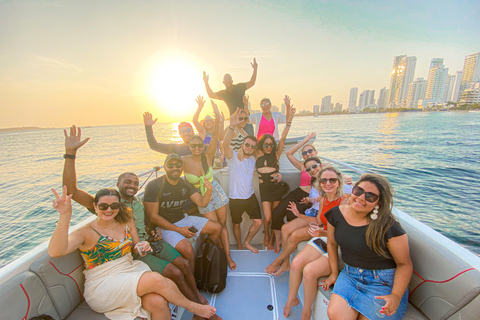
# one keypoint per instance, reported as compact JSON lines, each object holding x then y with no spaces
{"x":164,"y":201}
{"x":241,"y":193}
{"x":166,"y":261}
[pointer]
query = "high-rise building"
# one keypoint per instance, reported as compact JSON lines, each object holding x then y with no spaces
{"x":326,"y":101}
{"x":382,"y":101}
{"x":471,"y":94}
{"x":471,"y":70}
{"x":366,"y":99}
{"x":316,"y":109}
{"x":456,"y":86}
{"x":338,"y":107}
{"x":437,"y":78}
{"x":448,"y":93}
{"x":436,"y":62}
{"x":352,"y":102}
{"x":416,"y":92}
{"x":402,"y":75}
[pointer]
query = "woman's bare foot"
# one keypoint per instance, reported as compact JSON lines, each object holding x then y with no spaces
{"x":273,"y":266}
{"x":231,"y":264}
{"x":278,"y":246}
{"x":202,"y":299}
{"x":306,"y":314}
{"x":284,"y":267}
{"x":288,"y":307}
{"x":250,"y":247}
{"x":203,"y":310}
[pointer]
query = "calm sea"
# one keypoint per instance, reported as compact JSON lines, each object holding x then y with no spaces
{"x":431,"y":159}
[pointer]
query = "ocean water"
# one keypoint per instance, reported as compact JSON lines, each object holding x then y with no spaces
{"x":431,"y":159}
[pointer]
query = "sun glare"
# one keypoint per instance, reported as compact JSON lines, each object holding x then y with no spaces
{"x":174,"y":84}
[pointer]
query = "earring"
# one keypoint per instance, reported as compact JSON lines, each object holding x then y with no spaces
{"x":374,"y":215}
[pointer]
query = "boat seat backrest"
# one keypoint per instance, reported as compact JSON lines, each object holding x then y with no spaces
{"x":24,"y":297}
{"x":442,"y":285}
{"x":63,"y":277}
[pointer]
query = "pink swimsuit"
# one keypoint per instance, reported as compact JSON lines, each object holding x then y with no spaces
{"x":265,"y":127}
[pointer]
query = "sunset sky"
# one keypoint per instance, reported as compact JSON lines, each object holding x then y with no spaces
{"x":106,"y":62}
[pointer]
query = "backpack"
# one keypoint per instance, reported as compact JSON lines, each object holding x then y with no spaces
{"x":210,"y":267}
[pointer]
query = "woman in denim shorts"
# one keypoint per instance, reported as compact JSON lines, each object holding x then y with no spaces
{"x":373,"y":283}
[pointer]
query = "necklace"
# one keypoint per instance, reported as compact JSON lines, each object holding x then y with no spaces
{"x":326,"y":202}
{"x":114,"y":227}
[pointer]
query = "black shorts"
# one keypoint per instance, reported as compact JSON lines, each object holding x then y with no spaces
{"x":239,"y":206}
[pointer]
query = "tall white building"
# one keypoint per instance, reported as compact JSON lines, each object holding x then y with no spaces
{"x":447,"y":95}
{"x":456,"y":86}
{"x":402,"y":75}
{"x":437,"y":78}
{"x":366,"y":99}
{"x":316,"y":109}
{"x":416,"y":92}
{"x":352,"y":102}
{"x":471,"y":94}
{"x":382,"y":101}
{"x":326,"y":101}
{"x":471,"y":70}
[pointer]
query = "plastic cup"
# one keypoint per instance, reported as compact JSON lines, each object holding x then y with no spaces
{"x":379,"y":304}
{"x":314,"y":226}
{"x":141,"y":248}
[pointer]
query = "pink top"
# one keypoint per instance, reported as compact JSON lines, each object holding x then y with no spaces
{"x":265,"y":127}
{"x":305,"y":179}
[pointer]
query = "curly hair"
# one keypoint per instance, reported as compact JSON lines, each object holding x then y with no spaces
{"x":340,"y":190}
{"x":262,"y":141}
{"x":125,"y":214}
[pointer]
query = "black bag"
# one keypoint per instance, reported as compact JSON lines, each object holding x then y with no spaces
{"x":210,"y":267}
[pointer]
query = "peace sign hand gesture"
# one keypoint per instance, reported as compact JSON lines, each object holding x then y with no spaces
{"x":63,"y":204}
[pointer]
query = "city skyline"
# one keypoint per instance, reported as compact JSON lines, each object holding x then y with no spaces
{"x":64,"y":62}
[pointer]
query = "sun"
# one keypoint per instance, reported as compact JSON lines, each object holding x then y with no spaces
{"x":173,"y":84}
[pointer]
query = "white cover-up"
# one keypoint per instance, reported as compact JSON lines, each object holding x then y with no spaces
{"x":111,"y":288}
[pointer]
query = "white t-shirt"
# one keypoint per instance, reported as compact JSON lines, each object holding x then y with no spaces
{"x":241,"y":177}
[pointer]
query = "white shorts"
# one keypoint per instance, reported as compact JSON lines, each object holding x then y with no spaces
{"x":173,"y":237}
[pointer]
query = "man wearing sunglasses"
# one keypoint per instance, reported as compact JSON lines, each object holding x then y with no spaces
{"x":185,"y":130}
{"x":164,"y":202}
{"x":233,"y":93}
{"x":241,"y":193}
{"x":166,"y":261}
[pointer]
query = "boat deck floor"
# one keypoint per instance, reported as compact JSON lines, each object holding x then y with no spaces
{"x":251,"y":292}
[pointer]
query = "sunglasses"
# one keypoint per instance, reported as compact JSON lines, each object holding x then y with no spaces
{"x":243,"y":118}
{"x":304,"y":153}
{"x":248,"y":145}
{"x":105,"y":206}
{"x":266,"y":104}
{"x":196,"y":145}
{"x":315,"y":166}
{"x":325,"y":180}
{"x":176,"y":165}
{"x":369,"y":196}
{"x":268,"y":145}
{"x":187,"y":130}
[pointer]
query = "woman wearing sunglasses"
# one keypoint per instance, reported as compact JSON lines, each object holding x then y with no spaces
{"x":239,"y":133}
{"x":266,"y":122}
{"x":375,"y":251}
{"x":267,"y":167}
{"x":115,"y":284}
{"x":198,"y":167}
{"x":326,"y":193}
{"x":298,"y":194}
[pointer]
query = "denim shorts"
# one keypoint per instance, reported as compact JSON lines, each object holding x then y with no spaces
{"x":360,"y":286}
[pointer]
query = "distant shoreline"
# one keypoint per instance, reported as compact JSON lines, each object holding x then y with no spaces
{"x":22,"y":129}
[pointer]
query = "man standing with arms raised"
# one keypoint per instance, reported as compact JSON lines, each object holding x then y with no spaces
{"x":241,"y":193}
{"x":233,"y":93}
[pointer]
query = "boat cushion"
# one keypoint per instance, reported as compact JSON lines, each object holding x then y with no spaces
{"x":24,"y":297}
{"x":63,"y":277}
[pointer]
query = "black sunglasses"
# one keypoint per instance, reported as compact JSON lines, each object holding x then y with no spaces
{"x":304,"y":153}
{"x":248,"y":145}
{"x":243,"y":118}
{"x":325,"y":180}
{"x":105,"y":206}
{"x":176,"y":165}
{"x":268,"y":145}
{"x":196,"y":145}
{"x":315,"y":166}
{"x":369,"y":196}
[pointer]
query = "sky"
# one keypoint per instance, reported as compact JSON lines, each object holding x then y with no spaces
{"x":106,"y":62}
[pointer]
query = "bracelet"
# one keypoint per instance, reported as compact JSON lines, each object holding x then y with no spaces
{"x":288,"y":125}
{"x":69,"y":156}
{"x":230,"y":127}
{"x":62,"y":225}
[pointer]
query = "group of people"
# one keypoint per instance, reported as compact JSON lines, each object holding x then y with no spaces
{"x":141,"y":249}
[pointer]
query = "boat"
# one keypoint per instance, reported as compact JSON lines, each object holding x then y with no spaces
{"x":445,"y":283}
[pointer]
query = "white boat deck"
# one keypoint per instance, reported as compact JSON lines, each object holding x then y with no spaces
{"x":250,"y":290}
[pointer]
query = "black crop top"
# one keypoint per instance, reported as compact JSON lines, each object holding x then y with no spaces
{"x":352,"y":241}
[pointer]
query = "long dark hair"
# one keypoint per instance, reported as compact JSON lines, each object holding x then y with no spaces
{"x":125,"y":214}
{"x":377,"y":229}
{"x":272,"y":156}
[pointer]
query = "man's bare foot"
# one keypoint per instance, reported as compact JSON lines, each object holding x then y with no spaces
{"x":231,"y":264}
{"x":202,"y":299}
{"x":203,"y":310}
{"x":270,"y":244}
{"x":284,"y":267}
{"x":250,"y":247}
{"x":278,"y":246}
{"x":273,"y":266}
{"x":288,"y":307}
{"x":265,"y":241}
